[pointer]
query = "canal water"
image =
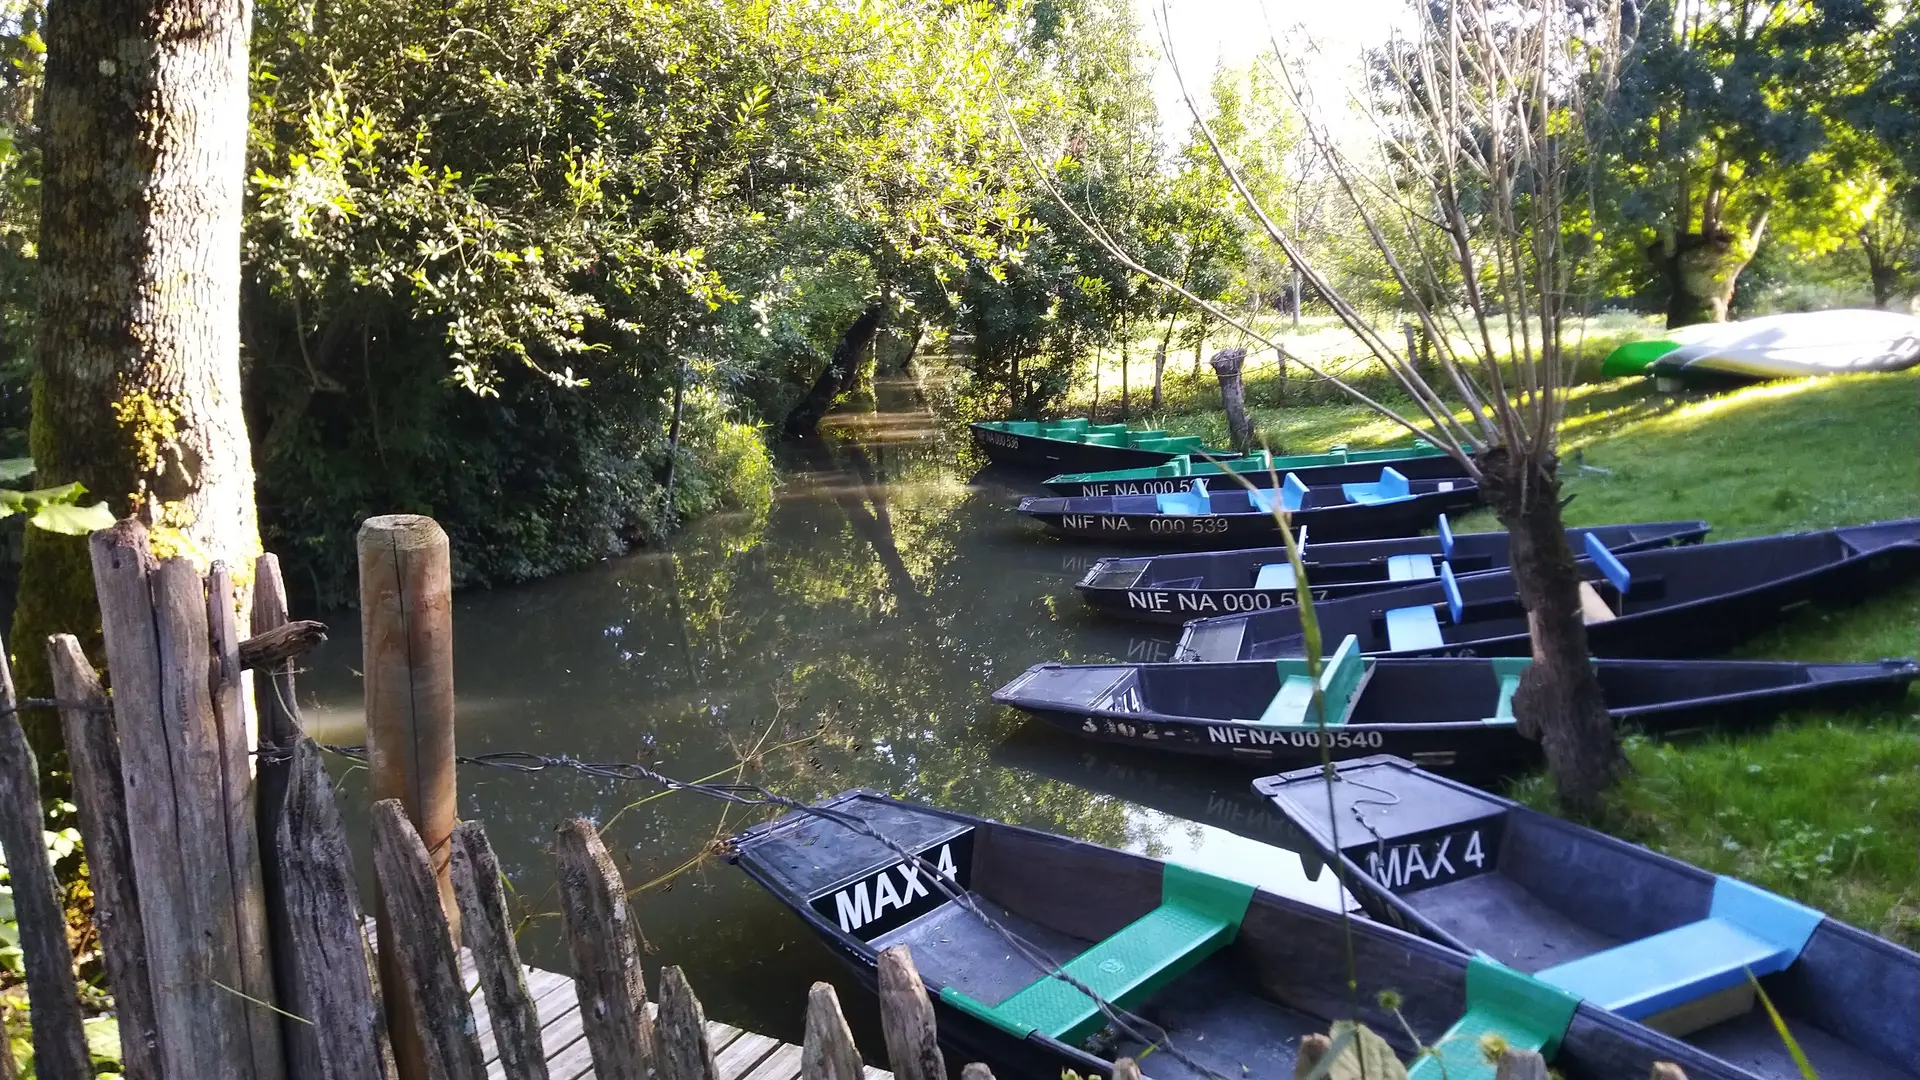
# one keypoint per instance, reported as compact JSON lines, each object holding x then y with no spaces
{"x":851,"y":637}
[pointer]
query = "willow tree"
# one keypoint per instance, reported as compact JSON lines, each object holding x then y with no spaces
{"x":1473,"y":188}
{"x":136,"y":389}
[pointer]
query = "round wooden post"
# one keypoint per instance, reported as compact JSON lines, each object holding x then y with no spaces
{"x":406,"y":641}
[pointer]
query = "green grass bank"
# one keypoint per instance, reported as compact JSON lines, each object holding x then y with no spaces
{"x":1824,"y":807}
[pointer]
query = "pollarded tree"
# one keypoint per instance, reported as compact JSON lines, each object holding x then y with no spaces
{"x":137,"y":352}
{"x":1483,"y":137}
{"x":1726,"y":118}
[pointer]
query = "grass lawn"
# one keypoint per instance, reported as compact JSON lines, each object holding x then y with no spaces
{"x":1825,"y":807}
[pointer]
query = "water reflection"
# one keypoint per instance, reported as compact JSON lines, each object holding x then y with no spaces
{"x":850,"y":637}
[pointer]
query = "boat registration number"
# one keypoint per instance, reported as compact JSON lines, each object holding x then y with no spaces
{"x":1433,"y":859}
{"x":895,"y":895}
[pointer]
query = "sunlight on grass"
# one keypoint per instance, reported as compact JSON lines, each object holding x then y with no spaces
{"x":1823,"y":807}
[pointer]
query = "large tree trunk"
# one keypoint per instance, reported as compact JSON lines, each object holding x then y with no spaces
{"x":1160,"y":369}
{"x":1559,"y":702}
{"x":843,"y":370}
{"x":1701,"y":272}
{"x":1233,"y":395}
{"x":137,"y":353}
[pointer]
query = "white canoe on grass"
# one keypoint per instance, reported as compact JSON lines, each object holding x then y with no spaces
{"x":1805,"y":343}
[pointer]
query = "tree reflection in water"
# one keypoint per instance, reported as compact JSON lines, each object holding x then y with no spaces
{"x":851,"y":637}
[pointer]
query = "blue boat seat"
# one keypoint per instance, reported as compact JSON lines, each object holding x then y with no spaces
{"x":1274,"y":576}
{"x":1446,"y":538}
{"x":1391,"y":487}
{"x":1609,"y":564}
{"x":1198,"y":915}
{"x":1293,"y":493}
{"x":1191,"y":502}
{"x":1746,"y":930}
{"x":1409,"y":567}
{"x":1414,"y":628}
{"x":1260,"y":499}
{"x":1452,"y":587}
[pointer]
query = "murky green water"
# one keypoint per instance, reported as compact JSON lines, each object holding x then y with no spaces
{"x":884,"y":597}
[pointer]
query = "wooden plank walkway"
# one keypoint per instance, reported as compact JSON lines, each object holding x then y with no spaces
{"x":740,"y":1055}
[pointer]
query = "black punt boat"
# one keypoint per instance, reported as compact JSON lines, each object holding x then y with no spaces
{"x":1079,"y":445}
{"x":1453,"y":714}
{"x":1673,"y":602}
{"x":1175,"y":588}
{"x":1236,"y":517}
{"x":1235,"y":975}
{"x":1261,"y":470}
{"x":1619,"y":926}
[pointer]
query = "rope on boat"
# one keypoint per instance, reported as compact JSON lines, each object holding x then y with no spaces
{"x":1126,"y":1022}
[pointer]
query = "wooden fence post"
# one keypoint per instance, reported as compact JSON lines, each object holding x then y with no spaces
{"x":1313,"y":1048}
{"x":277,"y":715}
{"x":237,"y":733}
{"x":93,"y":753}
{"x":155,"y":623}
{"x":974,"y":1070}
{"x":329,"y":940}
{"x":683,"y":1052}
{"x":406,"y":625}
{"x":1127,"y":1069}
{"x":827,"y":1051}
{"x":1667,"y":1070}
{"x":603,"y":941}
{"x":483,"y":914}
{"x":59,"y":1040}
{"x":417,"y":938}
{"x":906,"y":1019}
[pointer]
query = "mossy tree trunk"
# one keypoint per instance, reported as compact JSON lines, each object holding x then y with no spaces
{"x":137,"y":351}
{"x":841,"y":374}
{"x":1558,"y":703}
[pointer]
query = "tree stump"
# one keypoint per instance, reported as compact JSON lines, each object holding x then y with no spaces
{"x":1227,"y":364}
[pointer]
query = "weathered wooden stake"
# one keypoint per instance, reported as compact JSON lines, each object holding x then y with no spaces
{"x":483,"y":915}
{"x":236,"y":732}
{"x":827,"y":1051}
{"x":974,"y":1070}
{"x":277,"y":716}
{"x":1667,"y":1070}
{"x":155,"y":627}
{"x":329,"y":943}
{"x":418,"y":940}
{"x":1126,"y":1069}
{"x":1227,"y":364}
{"x":906,"y":1019}
{"x":683,"y":1052}
{"x":59,"y":1040}
{"x":93,"y":753}
{"x":406,"y":624}
{"x":603,"y":940}
{"x":1520,"y":1065}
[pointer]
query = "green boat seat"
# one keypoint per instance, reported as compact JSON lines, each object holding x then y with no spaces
{"x":1292,"y":704}
{"x":1021,"y":427}
{"x":1179,"y":466}
{"x":1145,"y":435}
{"x":1274,"y":576}
{"x":1524,"y":1012}
{"x":1104,"y":438}
{"x":1191,"y":502}
{"x":1108,"y":429}
{"x":1182,"y":444}
{"x":1746,"y":930}
{"x":1409,"y":567}
{"x":1069,"y":428}
{"x":1414,"y":628}
{"x":1507,"y":670}
{"x":1340,"y":678}
{"x":1392,"y":487}
{"x":1198,"y":915}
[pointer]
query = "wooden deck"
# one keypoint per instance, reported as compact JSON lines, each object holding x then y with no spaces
{"x":740,"y":1055}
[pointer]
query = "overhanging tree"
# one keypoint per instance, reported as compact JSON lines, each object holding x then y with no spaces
{"x":1483,"y":122}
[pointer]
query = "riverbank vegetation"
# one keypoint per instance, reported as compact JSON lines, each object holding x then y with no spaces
{"x":1822,"y":807}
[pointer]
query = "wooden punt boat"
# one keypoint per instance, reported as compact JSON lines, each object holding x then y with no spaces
{"x":1079,"y":445}
{"x":1643,"y":935}
{"x":1421,"y":461}
{"x":1675,"y":602}
{"x":1236,"y":517}
{"x":1233,"y":975}
{"x":1451,"y":714}
{"x":1175,"y":588}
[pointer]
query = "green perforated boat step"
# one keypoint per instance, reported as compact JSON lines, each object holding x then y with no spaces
{"x":1507,"y":670}
{"x":1524,"y":1012}
{"x":1198,"y":915}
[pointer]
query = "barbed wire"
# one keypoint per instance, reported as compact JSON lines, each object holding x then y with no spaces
{"x":1127,"y":1023}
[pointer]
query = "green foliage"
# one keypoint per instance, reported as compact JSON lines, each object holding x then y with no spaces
{"x":55,"y":509}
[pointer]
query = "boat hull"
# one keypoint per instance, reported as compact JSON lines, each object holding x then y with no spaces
{"x":1108,"y":589}
{"x":1421,"y":467}
{"x":1658,"y":697}
{"x":1766,"y":581}
{"x":1037,"y":453}
{"x":1347,"y":521}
